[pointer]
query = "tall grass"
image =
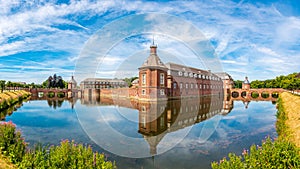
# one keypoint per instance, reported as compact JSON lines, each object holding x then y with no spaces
{"x":66,"y":155}
{"x":279,"y":153}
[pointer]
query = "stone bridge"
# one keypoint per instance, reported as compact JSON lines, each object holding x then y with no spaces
{"x":262,"y":94}
{"x":43,"y":93}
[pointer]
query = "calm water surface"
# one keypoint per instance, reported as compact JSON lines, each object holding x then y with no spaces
{"x":174,"y":134}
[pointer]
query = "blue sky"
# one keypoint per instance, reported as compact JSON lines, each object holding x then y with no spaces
{"x":251,"y":38}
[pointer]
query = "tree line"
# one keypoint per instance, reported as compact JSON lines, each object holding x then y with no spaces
{"x":290,"y":82}
{"x":8,"y":85}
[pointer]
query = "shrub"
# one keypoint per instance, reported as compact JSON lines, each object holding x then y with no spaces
{"x":277,"y":154}
{"x":66,"y":155}
{"x":12,"y":144}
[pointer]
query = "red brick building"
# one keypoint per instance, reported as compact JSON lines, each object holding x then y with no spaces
{"x":159,"y":81}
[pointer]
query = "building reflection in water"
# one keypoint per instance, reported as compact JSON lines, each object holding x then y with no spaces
{"x":156,"y":119}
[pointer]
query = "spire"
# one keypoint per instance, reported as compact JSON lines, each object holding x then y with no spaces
{"x":153,"y":40}
{"x":153,"y":47}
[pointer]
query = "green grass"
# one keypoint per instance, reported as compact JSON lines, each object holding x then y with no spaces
{"x":280,"y":153}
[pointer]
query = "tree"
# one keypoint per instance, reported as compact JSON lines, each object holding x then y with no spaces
{"x":238,"y":84}
{"x":130,"y":80}
{"x":8,"y":85}
{"x":2,"y":85}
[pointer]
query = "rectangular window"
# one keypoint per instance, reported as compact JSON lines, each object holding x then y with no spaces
{"x":196,"y":86}
{"x":143,"y":79}
{"x":162,"y":122}
{"x":180,"y":85}
{"x":143,"y":121}
{"x":192,"y":85}
{"x":174,"y":85}
{"x":162,"y":92}
{"x":143,"y":91}
{"x":162,"y":79}
{"x":186,"y":85}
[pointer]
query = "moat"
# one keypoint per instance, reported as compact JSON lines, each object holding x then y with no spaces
{"x":187,"y":133}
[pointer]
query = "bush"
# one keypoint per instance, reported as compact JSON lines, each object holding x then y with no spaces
{"x":66,"y":155}
{"x":12,"y":144}
{"x":277,"y":154}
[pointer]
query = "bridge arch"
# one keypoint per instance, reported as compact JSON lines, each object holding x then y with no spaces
{"x":235,"y":94}
{"x":275,"y":95}
{"x":51,"y":94}
{"x":254,"y":94}
{"x":244,"y":94}
{"x":265,"y":94}
{"x":60,"y":94}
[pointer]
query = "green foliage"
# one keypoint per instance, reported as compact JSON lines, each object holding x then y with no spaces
{"x":265,"y":95}
{"x":281,"y":126}
{"x":66,"y":155}
{"x":60,"y":94}
{"x":238,"y":84}
{"x":2,"y":85}
{"x":278,"y":154}
{"x":11,"y":143}
{"x":130,"y":80}
{"x":290,"y":82}
{"x":51,"y":94}
{"x":254,"y":95}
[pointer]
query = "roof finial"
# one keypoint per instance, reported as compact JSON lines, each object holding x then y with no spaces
{"x":153,"y":40}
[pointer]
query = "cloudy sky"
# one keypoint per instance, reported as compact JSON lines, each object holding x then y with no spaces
{"x":251,"y":38}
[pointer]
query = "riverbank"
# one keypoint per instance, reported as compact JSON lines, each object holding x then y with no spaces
{"x":9,"y":98}
{"x":282,"y":152}
{"x":289,"y":106}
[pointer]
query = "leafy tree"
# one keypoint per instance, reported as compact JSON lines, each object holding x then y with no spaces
{"x":130,"y":80}
{"x":2,"y":85}
{"x":8,"y":85}
{"x":238,"y":84}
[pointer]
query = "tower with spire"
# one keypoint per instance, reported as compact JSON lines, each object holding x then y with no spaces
{"x":246,"y":84}
{"x":153,"y":77}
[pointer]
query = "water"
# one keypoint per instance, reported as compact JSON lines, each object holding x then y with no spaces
{"x":188,"y":133}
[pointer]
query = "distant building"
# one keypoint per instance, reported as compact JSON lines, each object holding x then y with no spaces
{"x":72,"y":84}
{"x":102,"y":83}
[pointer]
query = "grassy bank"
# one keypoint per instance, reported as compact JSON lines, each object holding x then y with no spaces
{"x":14,"y":153}
{"x":289,"y":117}
{"x":284,"y":152}
{"x":7,"y":99}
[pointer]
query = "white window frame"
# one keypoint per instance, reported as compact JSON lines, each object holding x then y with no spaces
{"x":162,"y":78}
{"x":162,"y":92}
{"x":144,"y":78}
